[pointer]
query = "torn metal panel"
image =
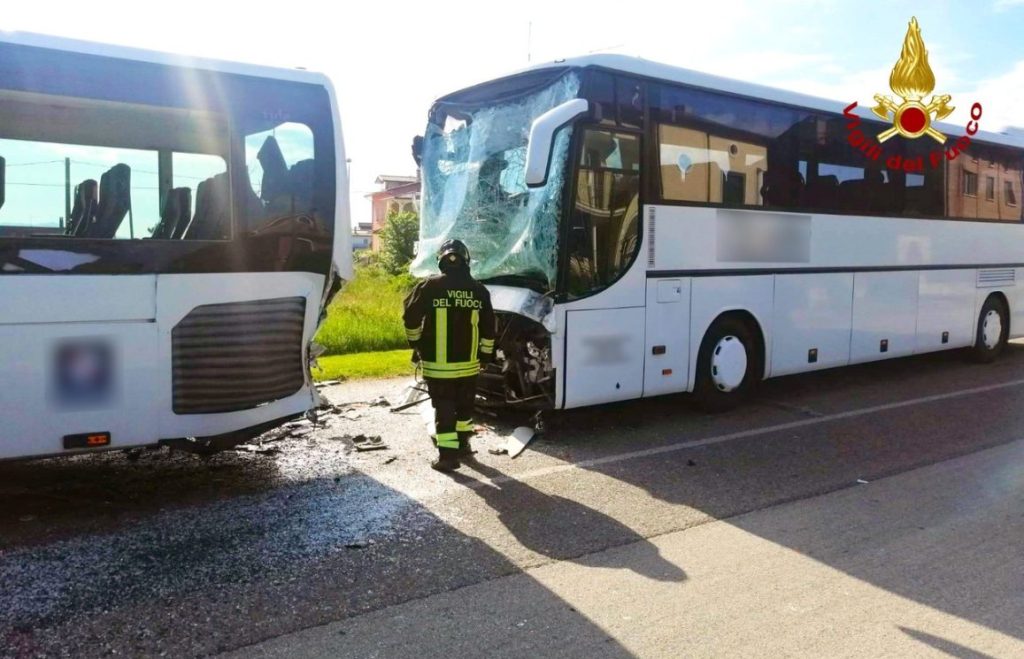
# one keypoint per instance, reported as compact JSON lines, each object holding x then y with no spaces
{"x":522,"y":374}
{"x":525,"y":302}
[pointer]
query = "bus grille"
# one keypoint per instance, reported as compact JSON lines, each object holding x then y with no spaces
{"x":236,"y":356}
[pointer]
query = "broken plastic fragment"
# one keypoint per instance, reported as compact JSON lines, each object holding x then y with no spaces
{"x":518,"y":440}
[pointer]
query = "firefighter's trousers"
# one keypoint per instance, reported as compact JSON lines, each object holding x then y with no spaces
{"x":453,"y":409}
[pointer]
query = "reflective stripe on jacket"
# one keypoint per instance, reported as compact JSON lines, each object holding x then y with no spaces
{"x":450,"y":322}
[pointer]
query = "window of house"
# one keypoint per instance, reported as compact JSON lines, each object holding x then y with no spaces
{"x":990,"y":188}
{"x":1009,"y":193}
{"x":970,"y":184}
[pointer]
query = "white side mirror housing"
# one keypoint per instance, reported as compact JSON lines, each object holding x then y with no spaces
{"x":542,"y":138}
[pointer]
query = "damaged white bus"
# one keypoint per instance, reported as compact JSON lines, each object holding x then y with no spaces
{"x":171,"y":230}
{"x":646,"y":230}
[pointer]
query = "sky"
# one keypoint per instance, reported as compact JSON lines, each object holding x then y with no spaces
{"x":389,"y":61}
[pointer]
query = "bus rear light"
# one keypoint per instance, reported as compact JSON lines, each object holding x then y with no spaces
{"x":87,"y":440}
{"x":666,"y":371}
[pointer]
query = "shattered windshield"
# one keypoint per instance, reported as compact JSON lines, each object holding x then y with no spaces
{"x":474,"y":187}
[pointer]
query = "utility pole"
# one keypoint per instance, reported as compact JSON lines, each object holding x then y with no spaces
{"x":529,"y":40}
{"x":67,"y":193}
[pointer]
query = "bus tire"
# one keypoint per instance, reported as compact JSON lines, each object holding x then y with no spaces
{"x":993,"y":330}
{"x":729,"y":365}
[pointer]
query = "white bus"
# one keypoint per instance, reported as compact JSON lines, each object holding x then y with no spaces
{"x":170,"y":232}
{"x":646,"y":230}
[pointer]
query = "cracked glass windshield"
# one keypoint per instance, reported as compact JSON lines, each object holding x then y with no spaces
{"x":474,"y":153}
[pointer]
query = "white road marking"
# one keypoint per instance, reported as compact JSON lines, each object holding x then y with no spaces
{"x":742,"y":434}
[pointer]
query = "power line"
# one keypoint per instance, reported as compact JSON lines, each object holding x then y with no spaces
{"x":61,"y":185}
{"x":29,"y":164}
{"x":134,"y":171}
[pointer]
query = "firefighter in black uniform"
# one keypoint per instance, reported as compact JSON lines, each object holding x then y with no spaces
{"x":450,"y":324}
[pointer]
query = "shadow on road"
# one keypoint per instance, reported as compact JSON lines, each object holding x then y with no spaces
{"x":563,"y":529}
{"x":225,"y":574}
{"x":945,"y":645}
{"x":723,"y":481}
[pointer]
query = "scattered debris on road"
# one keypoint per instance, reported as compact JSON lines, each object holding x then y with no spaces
{"x":366,"y":443}
{"x":518,"y":440}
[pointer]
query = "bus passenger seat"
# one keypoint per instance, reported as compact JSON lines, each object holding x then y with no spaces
{"x":275,"y":170}
{"x":853,"y":195}
{"x":822,"y":192}
{"x":83,"y":212}
{"x":301,"y":179}
{"x":184,"y":212}
{"x":115,"y":201}
{"x":171,"y":213}
{"x":213,"y":210}
{"x":783,"y":187}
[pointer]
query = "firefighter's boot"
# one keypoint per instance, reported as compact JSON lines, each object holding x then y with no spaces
{"x":466,"y":451}
{"x":447,"y":460}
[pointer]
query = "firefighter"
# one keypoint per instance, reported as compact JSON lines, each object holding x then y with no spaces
{"x":450,"y":325}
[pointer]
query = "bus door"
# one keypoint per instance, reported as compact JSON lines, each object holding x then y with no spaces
{"x":604,"y":356}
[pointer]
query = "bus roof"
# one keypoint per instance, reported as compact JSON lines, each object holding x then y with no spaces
{"x":641,"y":67}
{"x":156,"y":57}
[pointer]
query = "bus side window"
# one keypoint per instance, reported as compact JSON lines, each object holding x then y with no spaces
{"x":190,"y":172}
{"x":280,"y":164}
{"x":604,"y":226}
{"x":684,"y":163}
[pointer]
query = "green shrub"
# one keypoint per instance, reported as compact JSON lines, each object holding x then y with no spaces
{"x":398,"y":241}
{"x":366,"y":316}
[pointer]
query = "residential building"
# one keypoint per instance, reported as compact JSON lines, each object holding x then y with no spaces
{"x":362,"y":236}
{"x":398,"y":194}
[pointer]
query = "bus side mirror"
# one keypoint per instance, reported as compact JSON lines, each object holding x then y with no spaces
{"x":3,"y":180}
{"x":542,"y":139}
{"x":417,"y":149}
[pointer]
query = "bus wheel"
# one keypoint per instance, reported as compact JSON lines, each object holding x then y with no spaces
{"x":729,"y":365}
{"x":993,"y":330}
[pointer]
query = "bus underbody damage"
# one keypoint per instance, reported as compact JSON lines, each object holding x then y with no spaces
{"x":521,"y":374}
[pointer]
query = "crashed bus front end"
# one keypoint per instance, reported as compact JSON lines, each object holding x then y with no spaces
{"x":522,"y":374}
{"x":477,"y":187}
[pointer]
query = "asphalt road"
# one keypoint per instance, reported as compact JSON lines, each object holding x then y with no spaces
{"x":640,"y":529}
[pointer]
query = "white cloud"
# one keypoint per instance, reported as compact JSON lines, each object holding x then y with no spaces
{"x":1001,"y":97}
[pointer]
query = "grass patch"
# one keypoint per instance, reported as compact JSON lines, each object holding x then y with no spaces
{"x":366,"y":316}
{"x":392,"y":363}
